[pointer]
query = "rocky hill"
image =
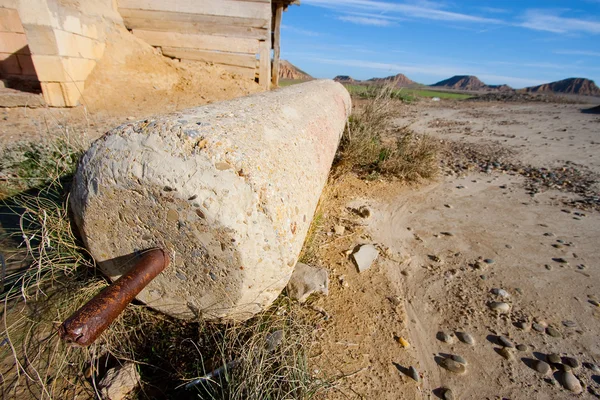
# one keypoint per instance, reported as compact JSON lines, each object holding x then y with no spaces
{"x":578,"y":86}
{"x":461,"y":82}
{"x":345,"y":79}
{"x":400,"y":79}
{"x":287,"y":70}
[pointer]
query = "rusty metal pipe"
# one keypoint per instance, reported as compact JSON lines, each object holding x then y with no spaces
{"x":86,"y":324}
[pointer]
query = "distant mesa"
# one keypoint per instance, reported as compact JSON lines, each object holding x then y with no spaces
{"x":577,"y":86}
{"x":287,"y":70}
{"x":399,"y":80}
{"x":461,"y":82}
{"x":345,"y":79}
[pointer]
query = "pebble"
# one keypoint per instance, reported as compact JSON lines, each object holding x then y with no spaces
{"x":465,"y":338}
{"x":570,"y":382}
{"x":403,"y":342}
{"x":593,"y":367}
{"x":444,"y":337}
{"x":571,"y":362}
{"x":506,"y":353}
{"x":488,"y":261}
{"x":499,"y":306}
{"x":459,"y":359}
{"x":525,"y":326}
{"x":453,"y":366}
{"x":500,"y":292}
{"x":553,"y":332}
{"x":447,"y":394}
{"x":522,"y":347}
{"x":550,"y":234}
{"x":594,"y":303}
{"x":542,"y":367}
{"x":562,"y":367}
{"x":412,"y":372}
{"x":339,"y":230}
{"x":553,"y":358}
{"x":505,"y":342}
{"x":538,"y":327}
{"x":560,"y":260}
{"x":548,"y":267}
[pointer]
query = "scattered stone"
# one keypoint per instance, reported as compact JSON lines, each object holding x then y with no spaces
{"x":553,"y":332}
{"x":548,"y":267}
{"x":562,"y":367}
{"x":500,"y":292}
{"x":522,"y":347}
{"x":593,"y":367}
{"x":560,"y":260}
{"x":364,"y":212}
{"x":459,"y":359}
{"x":447,"y":206}
{"x":307,"y":280}
{"x":453,"y":366}
{"x":403,"y":342}
{"x":465,"y":338}
{"x":499,"y":306}
{"x":553,"y":358}
{"x":414,"y":374}
{"x":365,"y":257}
{"x":343,"y":282}
{"x":488,"y":261}
{"x":570,"y":382}
{"x":525,"y":326}
{"x":549,"y":234}
{"x":505,"y":342}
{"x":571,"y":362}
{"x":339,"y":230}
{"x":447,"y":233}
{"x":395,"y":300}
{"x":541,"y":367}
{"x":594,"y":303}
{"x":444,"y":337}
{"x":447,"y":394}
{"x":118,"y":382}
{"x":506,"y":353}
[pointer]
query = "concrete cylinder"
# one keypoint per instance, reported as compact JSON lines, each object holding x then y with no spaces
{"x":228,"y":189}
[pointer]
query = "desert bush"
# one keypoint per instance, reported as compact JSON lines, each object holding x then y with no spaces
{"x":370,"y":147}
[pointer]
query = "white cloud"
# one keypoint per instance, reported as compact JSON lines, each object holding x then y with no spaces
{"x":366,"y":20}
{"x":427,"y":10}
{"x":299,"y":31}
{"x":578,"y":52}
{"x":543,"y":20}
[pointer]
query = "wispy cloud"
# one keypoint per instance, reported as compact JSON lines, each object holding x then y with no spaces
{"x":494,"y":10}
{"x":366,"y":20}
{"x":578,"y":52}
{"x":299,"y":30}
{"x":549,"y":21}
{"x":423,"y":10}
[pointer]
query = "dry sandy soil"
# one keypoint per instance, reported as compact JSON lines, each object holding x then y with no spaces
{"x":540,"y":243}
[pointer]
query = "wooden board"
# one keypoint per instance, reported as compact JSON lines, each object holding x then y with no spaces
{"x":229,"y":8}
{"x":276,"y":45}
{"x":239,"y":60}
{"x":128,"y":13}
{"x":264,"y":73}
{"x":196,"y":27}
{"x":202,"y":42}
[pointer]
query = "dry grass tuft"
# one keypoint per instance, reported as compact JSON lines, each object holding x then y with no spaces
{"x":368,"y":145}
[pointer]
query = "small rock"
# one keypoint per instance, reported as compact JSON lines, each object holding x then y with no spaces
{"x":553,"y":332}
{"x":453,"y":366}
{"x":403,"y":342}
{"x":525,"y":326}
{"x":548,"y":267}
{"x":365,"y":257}
{"x":364,"y":212}
{"x":465,"y":338}
{"x":307,"y":280}
{"x":488,"y":261}
{"x":342,"y":281}
{"x":571,"y":362}
{"x":499,"y":306}
{"x":449,"y":234}
{"x":538,"y":327}
{"x":594,"y":303}
{"x":444,"y":337}
{"x":459,"y":359}
{"x":447,"y":394}
{"x":118,"y":382}
{"x":593,"y":367}
{"x":522,"y":347}
{"x":506,"y":353}
{"x":412,"y":372}
{"x":562,"y":367}
{"x":560,"y":260}
{"x":550,"y":234}
{"x":553,"y":358}
{"x":570,"y":382}
{"x":541,"y":367}
{"x":339,"y":230}
{"x":500,"y":292}
{"x":505,"y":342}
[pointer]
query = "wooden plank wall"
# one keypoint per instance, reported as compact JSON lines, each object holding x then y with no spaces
{"x":232,"y":33}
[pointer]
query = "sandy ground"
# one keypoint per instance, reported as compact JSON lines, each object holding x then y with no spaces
{"x":430,"y":276}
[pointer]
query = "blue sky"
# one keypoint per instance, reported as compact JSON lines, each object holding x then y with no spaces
{"x":517,"y":42}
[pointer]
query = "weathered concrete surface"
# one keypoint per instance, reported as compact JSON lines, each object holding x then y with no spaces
{"x":228,"y":189}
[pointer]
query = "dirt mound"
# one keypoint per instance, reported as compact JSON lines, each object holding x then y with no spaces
{"x":578,"y":86}
{"x":462,"y":82}
{"x":400,"y":80}
{"x":133,"y":78}
{"x":345,"y":79}
{"x":287,"y":70}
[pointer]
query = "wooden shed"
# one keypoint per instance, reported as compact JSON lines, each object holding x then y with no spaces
{"x":238,"y":35}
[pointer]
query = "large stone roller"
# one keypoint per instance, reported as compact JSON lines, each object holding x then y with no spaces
{"x":228,"y":190}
